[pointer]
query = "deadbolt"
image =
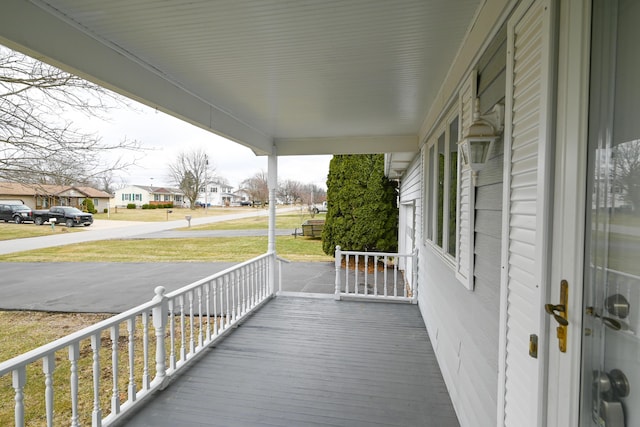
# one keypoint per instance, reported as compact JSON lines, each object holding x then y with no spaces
{"x":617,"y":305}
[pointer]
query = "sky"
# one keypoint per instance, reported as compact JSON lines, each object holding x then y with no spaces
{"x":163,"y":137}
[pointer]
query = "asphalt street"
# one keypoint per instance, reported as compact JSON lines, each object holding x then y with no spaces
{"x":116,"y":287}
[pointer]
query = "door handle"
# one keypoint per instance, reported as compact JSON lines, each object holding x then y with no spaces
{"x":560,"y":314}
{"x":559,"y":308}
{"x":614,"y":324}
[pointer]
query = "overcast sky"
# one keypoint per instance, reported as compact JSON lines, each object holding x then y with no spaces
{"x":164,"y":137}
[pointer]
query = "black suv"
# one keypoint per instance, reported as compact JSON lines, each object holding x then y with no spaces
{"x":15,"y":213}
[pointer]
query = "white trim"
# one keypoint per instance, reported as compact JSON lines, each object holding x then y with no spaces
{"x":570,"y":205}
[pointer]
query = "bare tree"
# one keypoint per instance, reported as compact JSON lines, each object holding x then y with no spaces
{"x":289,"y":191}
{"x":36,"y":144}
{"x":257,"y":187}
{"x":312,"y":194}
{"x":192,"y":172}
{"x":626,"y":159}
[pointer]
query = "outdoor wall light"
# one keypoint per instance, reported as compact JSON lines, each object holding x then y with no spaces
{"x":479,"y":137}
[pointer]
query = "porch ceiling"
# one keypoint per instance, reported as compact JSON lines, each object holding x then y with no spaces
{"x":311,"y":77}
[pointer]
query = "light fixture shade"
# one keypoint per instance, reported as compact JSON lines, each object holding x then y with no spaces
{"x":479,"y":137}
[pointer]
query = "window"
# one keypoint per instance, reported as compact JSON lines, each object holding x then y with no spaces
{"x":441,"y":188}
{"x":453,"y":185}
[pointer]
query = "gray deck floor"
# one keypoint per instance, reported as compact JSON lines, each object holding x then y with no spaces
{"x":312,"y":362}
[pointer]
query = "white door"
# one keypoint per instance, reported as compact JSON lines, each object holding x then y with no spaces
{"x":526,"y":215}
{"x":610,"y":383}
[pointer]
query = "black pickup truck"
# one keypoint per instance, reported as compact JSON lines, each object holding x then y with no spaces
{"x":15,"y":212}
{"x":63,"y":215}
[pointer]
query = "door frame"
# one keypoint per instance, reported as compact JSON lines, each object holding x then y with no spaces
{"x":569,"y":213}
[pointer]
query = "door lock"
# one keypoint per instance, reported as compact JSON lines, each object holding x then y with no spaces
{"x":608,"y":390}
{"x":560,"y":314}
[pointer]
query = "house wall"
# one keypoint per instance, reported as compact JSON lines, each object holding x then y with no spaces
{"x":143,"y":196}
{"x":464,"y":325}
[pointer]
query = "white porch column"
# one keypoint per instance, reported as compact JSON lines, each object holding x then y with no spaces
{"x":272,"y":182}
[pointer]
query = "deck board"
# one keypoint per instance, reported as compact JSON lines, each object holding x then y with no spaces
{"x":312,"y":362}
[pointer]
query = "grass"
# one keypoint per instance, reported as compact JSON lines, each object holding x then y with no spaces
{"x":287,"y":221}
{"x":229,"y":249}
{"x":158,"y":215}
{"x":10,"y":231}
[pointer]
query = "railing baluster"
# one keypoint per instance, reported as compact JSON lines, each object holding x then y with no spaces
{"x":366,"y":274}
{"x":243,"y":280}
{"x":191,"y":321}
{"x":74,"y":355}
{"x":395,"y":277}
{"x":172,"y":333}
{"x":96,"y":414}
{"x":234,"y":284}
{"x":215,"y":307}
{"x":183,"y":342}
{"x":386,"y":263}
{"x":131,"y":389}
{"x":253,"y":285}
{"x":200,"y":317}
{"x":375,"y":275}
{"x":346,"y":273}
{"x":338,"y":267}
{"x":146,"y":383}
{"x":115,"y":397}
{"x":226,"y":291}
{"x":207,"y":295}
{"x":357,"y":257}
{"x":19,"y":381}
{"x":48,"y":366}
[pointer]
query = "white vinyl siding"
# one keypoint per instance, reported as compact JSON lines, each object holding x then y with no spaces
{"x":525,"y":212}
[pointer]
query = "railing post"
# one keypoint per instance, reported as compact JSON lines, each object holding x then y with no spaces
{"x":338,"y":256}
{"x":159,"y":323}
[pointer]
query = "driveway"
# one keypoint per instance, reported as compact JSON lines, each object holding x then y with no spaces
{"x":84,"y":287}
{"x":116,"y":287}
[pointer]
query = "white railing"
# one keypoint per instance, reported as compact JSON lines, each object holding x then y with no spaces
{"x":110,"y":367}
{"x":375,"y":275}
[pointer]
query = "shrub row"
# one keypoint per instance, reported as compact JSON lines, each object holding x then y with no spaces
{"x":160,"y":206}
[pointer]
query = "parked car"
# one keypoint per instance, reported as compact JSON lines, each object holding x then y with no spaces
{"x":17,"y":213}
{"x":63,"y":215}
{"x":320,"y":207}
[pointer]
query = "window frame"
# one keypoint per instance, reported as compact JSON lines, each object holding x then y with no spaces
{"x":431,"y":189}
{"x":462,"y":262}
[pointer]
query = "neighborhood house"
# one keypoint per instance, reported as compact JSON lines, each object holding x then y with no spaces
{"x":43,"y":196}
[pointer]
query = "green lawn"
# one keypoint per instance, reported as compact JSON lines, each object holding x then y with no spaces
{"x":287,"y":221}
{"x":157,"y":215}
{"x":230,"y":249}
{"x":10,"y":231}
